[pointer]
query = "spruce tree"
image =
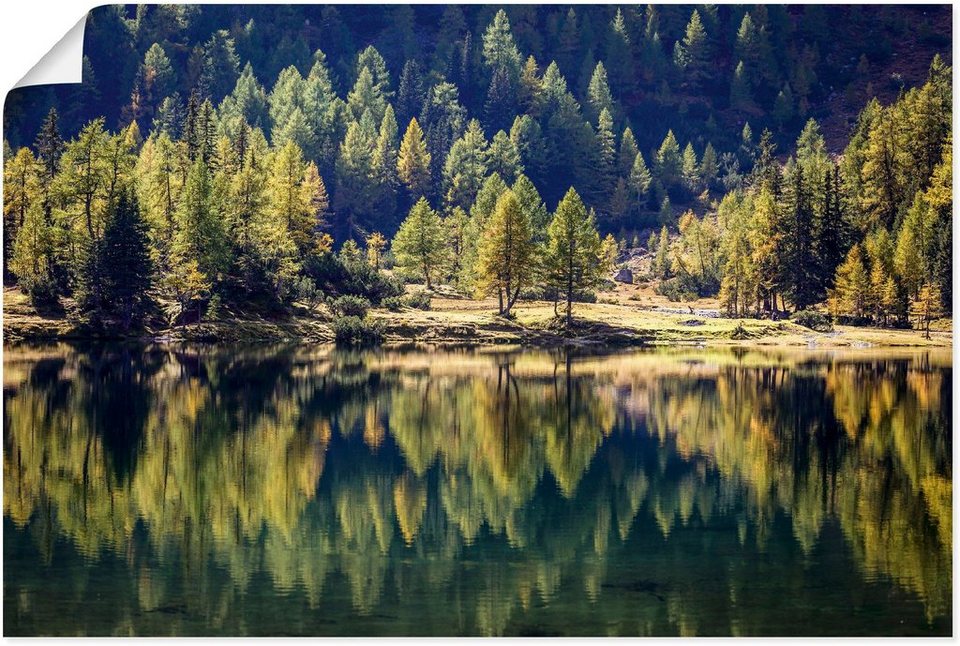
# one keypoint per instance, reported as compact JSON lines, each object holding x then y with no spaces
{"x":126,"y":262}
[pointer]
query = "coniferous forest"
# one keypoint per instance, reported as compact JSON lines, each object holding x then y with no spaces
{"x":222,"y":162}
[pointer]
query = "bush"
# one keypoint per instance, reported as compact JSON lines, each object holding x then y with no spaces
{"x":350,"y":306}
{"x":354,"y":331}
{"x":332,"y":276}
{"x":816,"y":321}
{"x":393,"y":303}
{"x":419,"y":300}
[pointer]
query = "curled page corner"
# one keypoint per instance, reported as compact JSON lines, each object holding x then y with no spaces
{"x":62,"y":64}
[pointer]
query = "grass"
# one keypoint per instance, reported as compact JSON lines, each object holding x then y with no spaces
{"x":625,"y":315}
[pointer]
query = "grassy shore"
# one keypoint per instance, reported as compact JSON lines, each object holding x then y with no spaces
{"x":627,"y":315}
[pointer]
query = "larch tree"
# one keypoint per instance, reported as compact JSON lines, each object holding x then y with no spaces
{"x":413,"y":162}
{"x":505,"y":263}
{"x":420,"y":246}
{"x":466,"y":166}
{"x":572,"y":256}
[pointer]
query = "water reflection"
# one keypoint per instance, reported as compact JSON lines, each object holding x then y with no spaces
{"x":298,"y":490}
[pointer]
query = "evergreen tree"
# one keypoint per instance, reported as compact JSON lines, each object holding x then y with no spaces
{"x":532,"y":206}
{"x":419,"y":247}
{"x":499,"y":48}
{"x":598,"y":93}
{"x":21,"y":193}
{"x":411,"y":92}
{"x":503,"y":157}
{"x":501,"y":105}
{"x":466,"y":166}
{"x":572,"y":256}
{"x":709,"y":167}
{"x":639,"y":182}
{"x":126,"y":262}
{"x":669,"y":161}
{"x":851,"y":294}
{"x":690,"y":170}
{"x":800,"y":266}
{"x":200,"y":236}
{"x":692,"y":54}
{"x":627,"y":154}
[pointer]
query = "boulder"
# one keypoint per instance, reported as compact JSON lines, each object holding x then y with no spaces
{"x":624,"y":276}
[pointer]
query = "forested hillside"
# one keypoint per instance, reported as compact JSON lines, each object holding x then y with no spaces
{"x":236,"y":157}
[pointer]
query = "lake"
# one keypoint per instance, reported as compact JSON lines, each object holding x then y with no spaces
{"x":302,"y":490}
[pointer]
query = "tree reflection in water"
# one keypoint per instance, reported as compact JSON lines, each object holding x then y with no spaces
{"x":302,"y":490}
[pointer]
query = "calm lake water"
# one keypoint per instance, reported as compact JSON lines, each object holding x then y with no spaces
{"x":306,"y":491}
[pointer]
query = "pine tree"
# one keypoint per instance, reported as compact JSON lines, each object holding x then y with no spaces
{"x":926,"y":307}
{"x":505,"y":263}
{"x":572,"y":256}
{"x":126,"y":262}
{"x":366,"y":95}
{"x":618,"y":57}
{"x":605,"y":170}
{"x":527,"y":137}
{"x":741,"y":94}
{"x":411,"y":93}
{"x":33,"y":258}
{"x":419,"y":247}
{"x":830,"y":230}
{"x":851,"y":294}
{"x":457,"y":227}
{"x":297,"y":197}
{"x":916,"y":247}
{"x":800,"y":265}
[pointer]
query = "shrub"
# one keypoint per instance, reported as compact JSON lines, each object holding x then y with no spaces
{"x":354,"y":331}
{"x":817,"y":321}
{"x":393,"y":303}
{"x":350,"y":306}
{"x":419,"y":300}
{"x":332,"y":276}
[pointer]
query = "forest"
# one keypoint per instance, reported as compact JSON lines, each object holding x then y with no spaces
{"x":223,"y":161}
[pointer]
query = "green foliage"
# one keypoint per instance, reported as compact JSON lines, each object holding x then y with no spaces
{"x":357,"y":332}
{"x":348,"y":305}
{"x":816,"y":321}
{"x":419,"y":247}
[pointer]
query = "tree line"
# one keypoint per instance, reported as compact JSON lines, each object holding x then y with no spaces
{"x":228,"y":206}
{"x":869,"y":232}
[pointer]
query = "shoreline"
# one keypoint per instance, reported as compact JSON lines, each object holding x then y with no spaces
{"x":454,"y":325}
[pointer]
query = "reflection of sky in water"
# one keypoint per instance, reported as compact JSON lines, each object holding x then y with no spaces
{"x":306,"y":491}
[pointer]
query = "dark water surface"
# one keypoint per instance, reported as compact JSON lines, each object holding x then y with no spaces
{"x":305,"y":491}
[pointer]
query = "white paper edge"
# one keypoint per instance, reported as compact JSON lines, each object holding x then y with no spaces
{"x":62,"y":64}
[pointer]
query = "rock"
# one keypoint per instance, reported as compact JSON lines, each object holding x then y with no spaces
{"x":624,"y":276}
